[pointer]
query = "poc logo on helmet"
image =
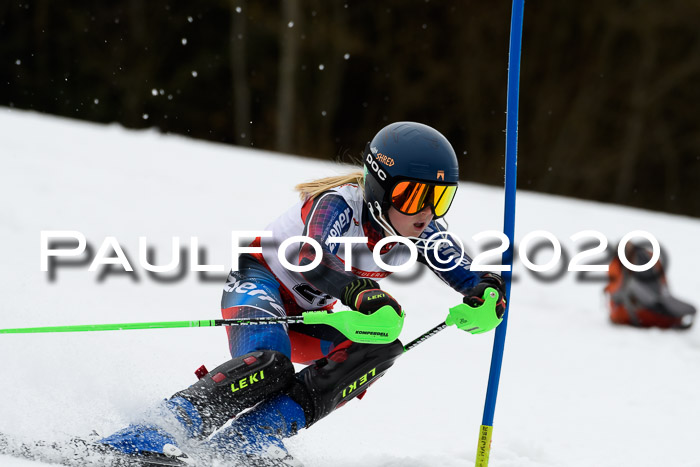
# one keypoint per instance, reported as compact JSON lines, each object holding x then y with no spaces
{"x":375,"y":167}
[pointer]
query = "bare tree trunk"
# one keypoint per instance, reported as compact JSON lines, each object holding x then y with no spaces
{"x":576,"y":109}
{"x":42,"y":35}
{"x":637,"y":120}
{"x":239,"y":74}
{"x":289,"y":58}
{"x":672,"y":166}
{"x":331,"y":78}
{"x":137,"y":67}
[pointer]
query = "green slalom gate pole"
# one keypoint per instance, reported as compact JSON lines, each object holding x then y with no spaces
{"x":483,"y":450}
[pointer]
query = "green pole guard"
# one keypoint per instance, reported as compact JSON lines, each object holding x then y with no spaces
{"x":479,"y":319}
{"x":381,"y":327}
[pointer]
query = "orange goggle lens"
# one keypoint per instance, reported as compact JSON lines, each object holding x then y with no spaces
{"x":412,"y":197}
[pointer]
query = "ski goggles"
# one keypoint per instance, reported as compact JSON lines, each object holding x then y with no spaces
{"x":411,"y":197}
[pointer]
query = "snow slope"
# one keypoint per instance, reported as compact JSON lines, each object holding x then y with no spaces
{"x":575,"y":391}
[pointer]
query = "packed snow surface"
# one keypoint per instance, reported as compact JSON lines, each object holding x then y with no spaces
{"x":575,"y":390}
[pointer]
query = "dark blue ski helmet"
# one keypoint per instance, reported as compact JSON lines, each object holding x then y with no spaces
{"x":410,"y":152}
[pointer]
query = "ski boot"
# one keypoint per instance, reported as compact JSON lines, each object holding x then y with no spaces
{"x":642,"y":298}
{"x":193,"y":414}
{"x":255,"y":437}
{"x":146,"y":445}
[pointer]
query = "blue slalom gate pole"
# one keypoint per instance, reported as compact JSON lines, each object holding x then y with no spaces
{"x":516,"y":33}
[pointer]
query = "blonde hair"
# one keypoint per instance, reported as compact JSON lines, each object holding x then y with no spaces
{"x":316,"y":187}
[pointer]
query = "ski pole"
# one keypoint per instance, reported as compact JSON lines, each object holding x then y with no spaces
{"x":382,"y":326}
{"x":202,"y":323}
{"x":462,"y":316}
{"x":425,"y":336}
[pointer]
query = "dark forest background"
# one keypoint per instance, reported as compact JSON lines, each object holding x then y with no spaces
{"x":610,"y":89}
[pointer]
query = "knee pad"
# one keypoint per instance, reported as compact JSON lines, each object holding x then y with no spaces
{"x":341,"y":376}
{"x":234,"y":386}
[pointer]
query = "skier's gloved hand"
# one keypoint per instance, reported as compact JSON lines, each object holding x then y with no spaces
{"x":475,"y":296}
{"x":365,"y":296}
{"x":483,"y":307}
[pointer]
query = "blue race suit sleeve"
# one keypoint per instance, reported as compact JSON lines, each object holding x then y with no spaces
{"x":448,"y":255}
{"x":330,"y":216}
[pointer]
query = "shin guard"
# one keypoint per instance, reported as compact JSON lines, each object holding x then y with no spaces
{"x":341,"y":376}
{"x":230,"y":388}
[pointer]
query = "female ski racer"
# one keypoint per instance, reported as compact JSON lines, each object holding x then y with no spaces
{"x":409,"y":181}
